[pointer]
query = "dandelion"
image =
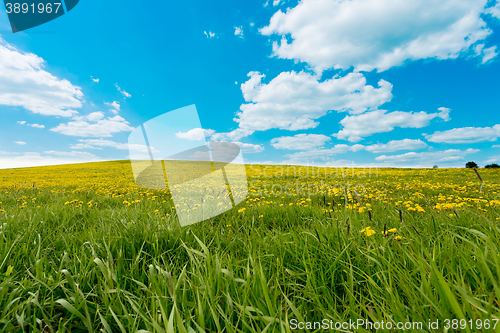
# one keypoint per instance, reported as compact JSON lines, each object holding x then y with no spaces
{"x":368,"y":231}
{"x":390,"y":231}
{"x":398,"y":238}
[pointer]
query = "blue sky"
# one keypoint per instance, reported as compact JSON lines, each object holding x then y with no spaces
{"x":336,"y":83}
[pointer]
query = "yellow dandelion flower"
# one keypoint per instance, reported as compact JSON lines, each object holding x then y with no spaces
{"x":368,"y":231}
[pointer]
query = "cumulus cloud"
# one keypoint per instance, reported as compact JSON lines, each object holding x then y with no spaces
{"x":323,"y":155}
{"x":122,"y":91}
{"x":238,"y":31}
{"x":487,"y":53}
{"x":101,"y":128}
{"x":24,"y":83}
{"x":248,"y":148}
{"x":98,"y":143}
{"x":396,"y":145}
{"x":466,"y":135}
{"x":31,"y":159}
{"x":494,"y":11}
{"x":492,"y":159}
{"x":32,"y":125}
{"x":195,"y":134}
{"x":357,"y":127}
{"x":428,"y":158}
{"x":292,"y":100}
{"x":115,"y":106}
{"x":94,"y":116}
{"x":232,"y":136}
{"x":21,"y":143}
{"x":81,"y":154}
{"x":376,"y":34}
{"x":209,"y":34}
{"x":300,"y":141}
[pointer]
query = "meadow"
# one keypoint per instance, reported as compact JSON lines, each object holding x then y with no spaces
{"x":84,"y":249}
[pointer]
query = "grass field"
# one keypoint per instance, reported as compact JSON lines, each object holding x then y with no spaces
{"x":82,"y":248}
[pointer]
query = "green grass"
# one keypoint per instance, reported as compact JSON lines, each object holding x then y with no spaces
{"x":113,"y":268}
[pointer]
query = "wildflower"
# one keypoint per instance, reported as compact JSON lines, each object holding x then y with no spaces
{"x":368,"y":231}
{"x":261,"y":216}
{"x":241,"y":210}
{"x":398,"y":238}
{"x":392,"y":231}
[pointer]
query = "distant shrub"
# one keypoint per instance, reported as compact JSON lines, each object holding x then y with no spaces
{"x":494,"y":165}
{"x":435,"y":167}
{"x":471,"y":165}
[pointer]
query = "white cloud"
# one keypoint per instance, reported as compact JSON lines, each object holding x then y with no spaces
{"x":32,"y":125}
{"x":24,"y":83}
{"x":492,"y":159}
{"x":428,"y":158}
{"x":209,"y":34}
{"x":276,"y":2}
{"x":466,"y":135}
{"x":103,"y":127}
{"x":379,"y":121}
{"x":232,"y":136}
{"x":324,"y":155}
{"x":123,"y":92}
{"x":95,"y":116}
{"x":292,"y":101}
{"x":115,"y":106}
{"x":396,"y":145}
{"x":238,"y":31}
{"x":37,"y":159}
{"x":21,"y":143}
{"x":300,"y":141}
{"x":195,"y":134}
{"x":495,"y":146}
{"x":376,"y":34}
{"x":96,"y":80}
{"x":494,"y":11}
{"x":83,"y":146}
{"x":248,"y":148}
{"x":488,"y":53}
{"x":98,"y":143}
{"x":81,"y":154}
